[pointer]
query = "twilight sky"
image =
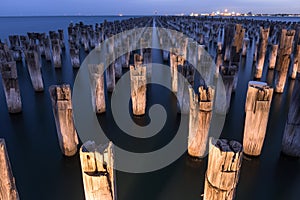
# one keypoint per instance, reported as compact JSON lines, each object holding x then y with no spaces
{"x":140,"y":7}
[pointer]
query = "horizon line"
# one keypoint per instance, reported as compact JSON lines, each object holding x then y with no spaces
{"x":137,"y":15}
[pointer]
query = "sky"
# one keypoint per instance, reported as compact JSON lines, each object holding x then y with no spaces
{"x":142,"y":7}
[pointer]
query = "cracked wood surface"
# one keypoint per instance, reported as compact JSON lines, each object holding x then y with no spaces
{"x":222,"y":175}
{"x":257,"y":107}
{"x":97,"y":164}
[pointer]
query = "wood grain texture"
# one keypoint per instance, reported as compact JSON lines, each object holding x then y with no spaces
{"x":63,"y":115}
{"x":257,"y":107}
{"x":228,"y":41}
{"x":11,"y":86}
{"x":291,"y":136}
{"x":96,"y":72}
{"x":147,"y":61}
{"x":262,"y":49}
{"x":201,"y":106}
{"x":283,"y":60}
{"x":222,"y":175}
{"x":238,"y":37}
{"x":245,"y":47}
{"x":34,"y":68}
{"x":56,"y":53}
{"x":296,"y":63}
{"x":185,"y":75}
{"x":273,"y":56}
{"x":47,"y":47}
{"x":110,"y":66}
{"x":175,"y":61}
{"x":228,"y":74}
{"x":8,"y":190}
{"x":74,"y":54}
{"x":138,"y":85}
{"x":98,"y":174}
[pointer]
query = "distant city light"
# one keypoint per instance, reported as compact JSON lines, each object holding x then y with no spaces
{"x":230,"y":13}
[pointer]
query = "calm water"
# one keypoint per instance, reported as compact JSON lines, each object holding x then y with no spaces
{"x":42,"y":172}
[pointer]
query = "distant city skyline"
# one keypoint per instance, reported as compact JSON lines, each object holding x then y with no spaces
{"x":143,"y":7}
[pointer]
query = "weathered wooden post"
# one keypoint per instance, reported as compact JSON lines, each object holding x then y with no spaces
{"x":147,"y":60}
{"x":273,"y":56}
{"x":118,"y":65}
{"x":61,"y":38}
{"x":24,"y":42}
{"x":191,"y":62}
{"x":92,"y":38}
{"x":15,"y":47}
{"x":137,"y":59}
{"x":182,"y":48}
{"x":296,"y":63}
{"x":110,"y":63}
{"x":205,"y":65}
{"x":138,"y":77}
{"x":98,"y":173}
{"x":97,"y":87}
{"x":5,"y":54}
{"x":219,"y":48}
{"x":141,"y":43}
{"x":8,"y":189}
{"x":47,"y":48}
{"x":263,"y":43}
{"x":63,"y":115}
{"x":173,"y":68}
{"x":255,"y":51}
{"x":186,"y":74}
{"x":201,"y":108}
{"x":201,"y":39}
{"x":74,"y":54}
{"x":41,"y":46}
{"x":84,"y":39}
{"x":11,"y":86}
{"x":219,"y":63}
{"x":71,"y":32}
{"x":237,"y":44}
{"x":291,"y":136}
{"x":32,"y":38}
{"x":126,"y":56}
{"x":166,"y":42}
{"x":175,"y":61}
{"x":56,"y":53}
{"x":245,"y":47}
{"x":223,"y":170}
{"x":228,"y":74}
{"x":258,"y":103}
{"x":110,"y":74}
{"x":228,"y":41}
{"x":282,"y":65}
{"x":14,"y":40}
{"x":34,"y":68}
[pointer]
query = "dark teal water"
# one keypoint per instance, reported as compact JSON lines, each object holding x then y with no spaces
{"x":42,"y":172}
